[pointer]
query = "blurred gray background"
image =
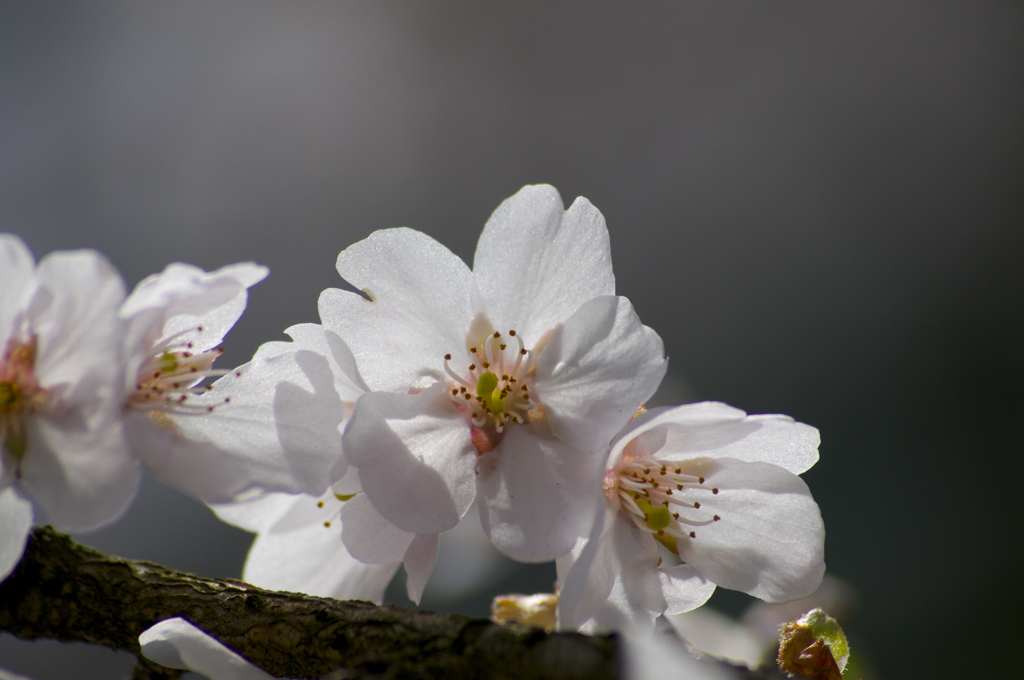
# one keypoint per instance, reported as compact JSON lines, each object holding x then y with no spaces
{"x":819,"y":206}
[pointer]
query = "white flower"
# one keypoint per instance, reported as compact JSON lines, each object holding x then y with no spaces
{"x":176,"y":643}
{"x":507,"y":381}
{"x":60,"y":394}
{"x":219,"y":441}
{"x":713,"y":486}
{"x":299,"y":544}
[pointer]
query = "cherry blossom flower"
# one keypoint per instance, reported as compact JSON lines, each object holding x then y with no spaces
{"x":219,"y":441}
{"x":301,"y":538}
{"x":60,"y":386}
{"x":507,"y":381}
{"x":301,"y":546}
{"x":711,"y":486}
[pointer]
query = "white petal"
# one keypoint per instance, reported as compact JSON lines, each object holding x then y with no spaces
{"x":419,"y":562}
{"x":659,"y":656}
{"x":420,"y":309}
{"x":16,"y":520}
{"x":256,"y":514}
{"x":598,"y":368}
{"x":198,"y":468}
{"x":84,"y":480}
{"x":684,"y":589}
{"x":298,"y":553}
{"x":415,"y":457}
{"x":79,"y":331}
{"x":619,"y":612}
{"x":17,"y":281}
{"x":722,"y":637}
{"x":183,"y":297}
{"x":642,"y":580}
{"x":770,"y":540}
{"x":535,"y":264}
{"x":369,"y":536}
{"x":592,"y":595}
{"x":176,"y":643}
{"x":716,"y":430}
{"x":279,"y":431}
{"x":537,"y":493}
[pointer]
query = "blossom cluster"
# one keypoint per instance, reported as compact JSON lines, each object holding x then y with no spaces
{"x":515,"y":389}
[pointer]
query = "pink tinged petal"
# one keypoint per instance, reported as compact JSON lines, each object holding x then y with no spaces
{"x":296,"y":552}
{"x":369,"y":536}
{"x":84,"y":480}
{"x":17,"y":281}
{"x":770,"y":539}
{"x":717,"y":430}
{"x":176,"y":643}
{"x":535,"y":264}
{"x":537,"y":494}
{"x":276,"y":422}
{"x":415,"y":457}
{"x":598,"y":368}
{"x":419,"y":310}
{"x":419,"y":562}
{"x":78,"y":329}
{"x":16,"y":520}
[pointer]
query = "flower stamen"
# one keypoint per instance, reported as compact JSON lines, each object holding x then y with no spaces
{"x":488,"y":392}
{"x":657,"y":497}
{"x":172,"y":373}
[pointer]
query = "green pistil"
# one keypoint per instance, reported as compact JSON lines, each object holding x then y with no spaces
{"x":486,"y":389}
{"x":656,"y":518}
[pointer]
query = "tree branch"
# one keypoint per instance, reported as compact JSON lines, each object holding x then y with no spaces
{"x":68,"y":592}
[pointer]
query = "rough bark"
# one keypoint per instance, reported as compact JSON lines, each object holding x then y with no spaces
{"x":65,"y":591}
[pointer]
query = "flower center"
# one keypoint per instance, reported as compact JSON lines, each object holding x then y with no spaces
{"x":20,"y":395}
{"x":496,"y":392}
{"x":171,"y":374}
{"x":659,"y":498}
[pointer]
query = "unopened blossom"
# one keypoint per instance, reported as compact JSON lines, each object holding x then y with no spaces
{"x":218,"y":441}
{"x":507,"y":381}
{"x":61,"y":440}
{"x":301,"y":538}
{"x":693,"y":497}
